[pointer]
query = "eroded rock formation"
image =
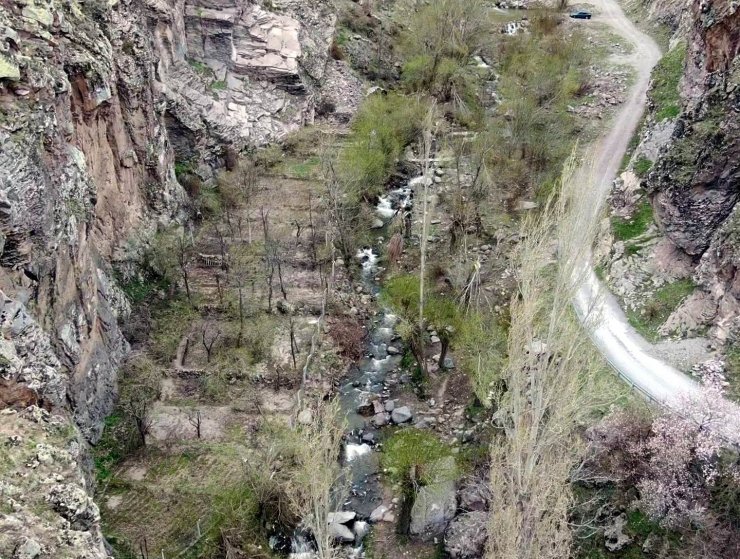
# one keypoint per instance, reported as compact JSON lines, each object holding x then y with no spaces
{"x":98,"y":100}
{"x":694,"y":183}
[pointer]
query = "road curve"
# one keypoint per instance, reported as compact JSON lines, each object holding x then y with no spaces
{"x":599,"y":311}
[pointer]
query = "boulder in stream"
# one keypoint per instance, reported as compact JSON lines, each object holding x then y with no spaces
{"x":401,"y":415}
{"x":341,"y":533}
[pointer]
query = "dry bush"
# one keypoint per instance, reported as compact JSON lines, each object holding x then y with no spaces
{"x":349,"y":335}
{"x":335,"y":51}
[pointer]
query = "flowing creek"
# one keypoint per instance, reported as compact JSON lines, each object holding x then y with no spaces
{"x":363,"y":389}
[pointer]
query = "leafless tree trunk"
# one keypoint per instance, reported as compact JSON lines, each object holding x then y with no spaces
{"x":269,"y":261}
{"x":293,"y":344}
{"x":425,"y":210}
{"x":194,"y":418}
{"x":183,"y":258}
{"x":209,"y":333}
{"x":219,"y":290}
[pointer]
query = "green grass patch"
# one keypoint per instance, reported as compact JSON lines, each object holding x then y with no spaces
{"x":302,"y":169}
{"x":200,"y":68}
{"x":629,"y":228}
{"x":170,"y":325}
{"x":666,"y":76}
{"x":218,"y":85}
{"x":655,"y":312}
{"x":642,"y":166}
{"x":732,"y":370}
{"x":408,"y":448}
{"x":114,"y":445}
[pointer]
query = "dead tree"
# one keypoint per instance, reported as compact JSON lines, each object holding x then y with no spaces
{"x":209,"y":335}
{"x":195,"y":419}
{"x":269,"y":261}
{"x":293,"y":344}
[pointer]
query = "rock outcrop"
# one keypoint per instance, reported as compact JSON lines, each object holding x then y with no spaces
{"x":98,"y":101}
{"x":694,"y":183}
{"x":47,"y":508}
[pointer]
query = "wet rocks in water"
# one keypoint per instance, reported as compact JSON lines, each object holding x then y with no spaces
{"x":401,"y":415}
{"x":393,"y":350}
{"x":341,"y":533}
{"x":361,"y":529}
{"x":466,"y":535}
{"x":381,"y":419}
{"x":366,"y":407}
{"x":341,"y":517}
{"x":368,"y":437}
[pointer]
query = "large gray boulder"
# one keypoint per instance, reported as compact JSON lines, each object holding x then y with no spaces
{"x":435,"y":504}
{"x":401,"y":415}
{"x":341,"y":533}
{"x":466,"y":536}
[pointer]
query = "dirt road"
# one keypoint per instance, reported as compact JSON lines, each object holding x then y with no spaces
{"x":598,"y":309}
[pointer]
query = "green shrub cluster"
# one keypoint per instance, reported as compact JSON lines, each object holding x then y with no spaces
{"x":383,"y":127}
{"x":413,"y":448}
{"x":657,"y":310}
{"x":642,"y":166}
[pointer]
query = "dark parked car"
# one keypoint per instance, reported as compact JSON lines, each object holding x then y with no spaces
{"x":581,"y":15}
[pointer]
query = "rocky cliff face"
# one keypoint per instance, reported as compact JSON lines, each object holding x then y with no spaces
{"x":96,"y":103}
{"x":98,"y":99}
{"x":696,"y":180}
{"x":694,"y":183}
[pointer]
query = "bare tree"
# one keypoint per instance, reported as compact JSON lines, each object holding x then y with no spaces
{"x":183,"y":246}
{"x":210,"y":332}
{"x":244,"y":264}
{"x":195,"y":419}
{"x":138,"y":391}
{"x":269,"y":260}
{"x":315,"y":480}
{"x":549,"y":376}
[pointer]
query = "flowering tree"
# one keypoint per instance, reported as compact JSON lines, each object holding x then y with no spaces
{"x":673,"y":460}
{"x":684,"y":449}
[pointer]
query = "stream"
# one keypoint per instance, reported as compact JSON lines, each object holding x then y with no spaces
{"x":363,"y":389}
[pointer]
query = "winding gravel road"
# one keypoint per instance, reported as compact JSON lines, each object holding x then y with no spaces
{"x":598,"y":309}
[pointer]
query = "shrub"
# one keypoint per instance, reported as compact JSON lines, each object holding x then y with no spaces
{"x":349,"y":334}
{"x":413,"y":448}
{"x":384,"y":125}
{"x":657,"y":310}
{"x":642,"y":166}
{"x":335,"y":51}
